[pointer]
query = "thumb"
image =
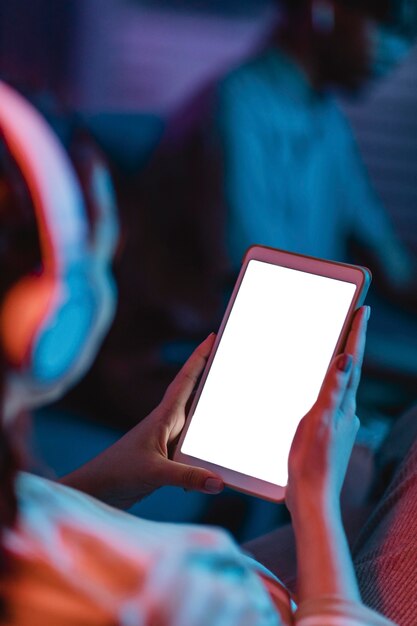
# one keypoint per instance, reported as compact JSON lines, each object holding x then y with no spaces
{"x":191,"y":478}
{"x":183,"y":384}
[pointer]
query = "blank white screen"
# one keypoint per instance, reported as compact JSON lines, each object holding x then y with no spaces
{"x":268,"y":369}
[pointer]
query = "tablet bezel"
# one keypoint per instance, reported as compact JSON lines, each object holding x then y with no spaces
{"x":359,"y":276}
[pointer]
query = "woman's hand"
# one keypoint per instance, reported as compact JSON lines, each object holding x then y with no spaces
{"x":324,"y":440}
{"x":317,"y":466}
{"x":139,"y":463}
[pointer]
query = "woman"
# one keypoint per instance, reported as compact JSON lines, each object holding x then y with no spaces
{"x":69,"y":559}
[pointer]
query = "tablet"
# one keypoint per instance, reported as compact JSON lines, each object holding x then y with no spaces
{"x":287,"y":317}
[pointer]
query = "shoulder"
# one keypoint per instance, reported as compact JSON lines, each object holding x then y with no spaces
{"x":215,"y":581}
{"x":161,"y":573}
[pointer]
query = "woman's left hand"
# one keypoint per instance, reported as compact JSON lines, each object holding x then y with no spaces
{"x":139,"y":462}
{"x":317,"y":466}
{"x":323,"y":443}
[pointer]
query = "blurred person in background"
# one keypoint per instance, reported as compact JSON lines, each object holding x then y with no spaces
{"x":66,"y":558}
{"x":293,"y":177}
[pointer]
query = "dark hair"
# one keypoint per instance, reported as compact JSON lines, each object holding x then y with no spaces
{"x":19,"y":254}
{"x":8,"y":506}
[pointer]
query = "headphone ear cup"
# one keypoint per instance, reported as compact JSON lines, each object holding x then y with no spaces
{"x":49,"y":328}
{"x":23,"y":311}
{"x":62,"y":348}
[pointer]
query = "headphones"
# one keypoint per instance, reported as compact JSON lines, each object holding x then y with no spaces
{"x":52,"y":322}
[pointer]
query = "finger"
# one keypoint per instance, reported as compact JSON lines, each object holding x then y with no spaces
{"x":355,"y":345}
{"x":334,"y":387}
{"x":191,"y":478}
{"x":183,"y":384}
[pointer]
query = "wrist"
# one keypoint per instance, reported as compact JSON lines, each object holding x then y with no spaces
{"x":311,"y":514}
{"x":323,"y":558}
{"x":89,"y":478}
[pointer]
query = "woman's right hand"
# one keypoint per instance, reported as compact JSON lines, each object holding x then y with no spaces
{"x":324,"y":440}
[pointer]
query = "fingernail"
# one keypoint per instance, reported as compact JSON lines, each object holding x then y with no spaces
{"x":213,"y":485}
{"x":368,"y":313}
{"x":345,"y":363}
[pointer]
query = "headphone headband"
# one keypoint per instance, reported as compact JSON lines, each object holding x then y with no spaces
{"x":54,"y":188}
